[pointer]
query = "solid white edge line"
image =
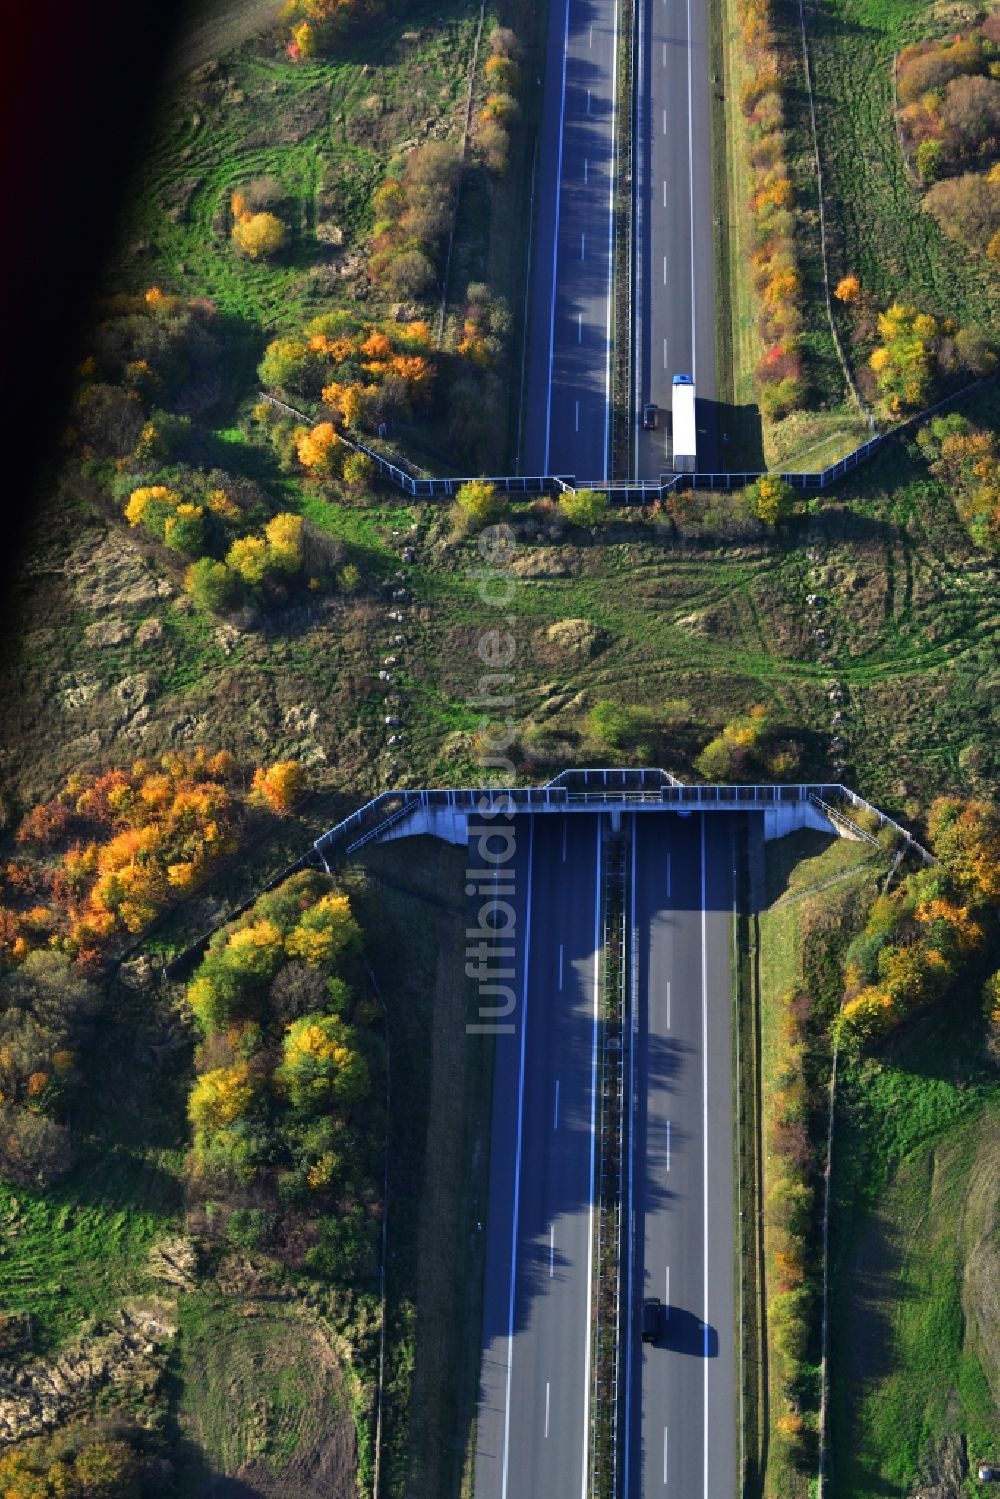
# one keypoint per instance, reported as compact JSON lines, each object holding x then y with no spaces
{"x":636,"y":251}
{"x":665,"y":1454}
{"x":704,"y":1124}
{"x":611,"y":243}
{"x":694,"y":357}
{"x":517,"y":1161}
{"x":555,"y":242}
{"x":546,"y":1409}
{"x":630,"y":1249}
{"x":584,"y":1490}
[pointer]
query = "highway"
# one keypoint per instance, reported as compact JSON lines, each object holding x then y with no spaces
{"x":567,"y":425}
{"x":675,"y":240}
{"x":681,"y":1392}
{"x":535,"y":1374}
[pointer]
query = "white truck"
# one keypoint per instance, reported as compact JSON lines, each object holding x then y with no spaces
{"x":685,"y":442}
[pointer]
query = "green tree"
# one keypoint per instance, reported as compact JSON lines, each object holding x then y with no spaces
{"x":321,"y":1064}
{"x":583,"y":507}
{"x":185,"y":530}
{"x":108,"y":1469}
{"x":617,"y":725}
{"x":212,"y":585}
{"x":478,"y":504}
{"x":771,"y":499}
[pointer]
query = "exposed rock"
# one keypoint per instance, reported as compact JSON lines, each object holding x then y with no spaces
{"x":694,"y":624}
{"x":149,"y":632}
{"x":544,"y":562}
{"x":227,"y":638}
{"x":576,"y":637}
{"x":113,"y":575}
{"x":176,"y":1262}
{"x":136,"y":690}
{"x":76,"y":690}
{"x":128,"y":1350}
{"x":107,"y":632}
{"x":300,"y":719}
{"x":943,"y":1469}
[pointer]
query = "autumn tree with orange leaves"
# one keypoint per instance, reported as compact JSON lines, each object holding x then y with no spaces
{"x":918,"y":936}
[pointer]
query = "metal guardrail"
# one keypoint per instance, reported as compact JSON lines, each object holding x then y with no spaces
{"x":845,"y":822}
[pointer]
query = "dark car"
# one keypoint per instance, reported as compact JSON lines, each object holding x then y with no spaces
{"x":651,"y":1312}
{"x":650,"y":417}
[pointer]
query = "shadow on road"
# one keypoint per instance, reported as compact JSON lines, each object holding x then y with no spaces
{"x":682,"y":1332}
{"x":733,"y":437}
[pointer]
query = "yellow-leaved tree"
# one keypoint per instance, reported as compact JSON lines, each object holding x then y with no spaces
{"x":320,"y":1065}
{"x":326,"y":931}
{"x":279,"y":786}
{"x":259,"y":235}
{"x":220,"y":1097}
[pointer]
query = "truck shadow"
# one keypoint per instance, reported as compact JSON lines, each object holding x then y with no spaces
{"x":682,"y":1332}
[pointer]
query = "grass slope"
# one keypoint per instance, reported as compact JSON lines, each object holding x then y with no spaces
{"x":878,"y":230}
{"x":918,"y":1146}
{"x":815,"y":889}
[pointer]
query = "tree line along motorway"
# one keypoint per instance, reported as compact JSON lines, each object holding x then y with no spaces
{"x":678,"y":1400}
{"x":569,"y":355}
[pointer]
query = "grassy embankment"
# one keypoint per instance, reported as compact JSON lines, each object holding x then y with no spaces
{"x":915,"y":1374}
{"x":439,"y":1165}
{"x":878,"y":230}
{"x":831,"y":425}
{"x":875,"y":226}
{"x":815,"y":890}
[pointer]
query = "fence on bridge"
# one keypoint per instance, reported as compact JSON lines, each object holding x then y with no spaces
{"x":609,"y":787}
{"x":637,"y":492}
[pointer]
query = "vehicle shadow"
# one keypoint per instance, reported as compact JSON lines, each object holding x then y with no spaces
{"x":731,"y":438}
{"x":682,"y":1332}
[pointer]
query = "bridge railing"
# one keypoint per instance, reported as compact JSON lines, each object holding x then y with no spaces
{"x":597,"y":787}
{"x":398,"y":472}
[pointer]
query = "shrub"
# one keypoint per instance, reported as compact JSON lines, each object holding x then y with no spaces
{"x":321,"y":1065}
{"x":903,"y":364}
{"x":408,"y":274}
{"x":212,"y":585}
{"x":930,"y":160}
{"x":618,"y":725}
{"x":970,"y":113}
{"x":921,"y":71}
{"x":771,"y":499}
{"x":478,"y":504}
{"x":359,"y":470}
{"x":583,"y":507}
{"x":967,"y":208}
{"x":259,"y":235}
{"x":281,"y":785}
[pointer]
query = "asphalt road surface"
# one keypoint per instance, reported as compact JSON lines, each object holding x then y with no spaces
{"x":675,"y":241}
{"x":535,"y":1374}
{"x":567,"y":428}
{"x":681,"y":1391}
